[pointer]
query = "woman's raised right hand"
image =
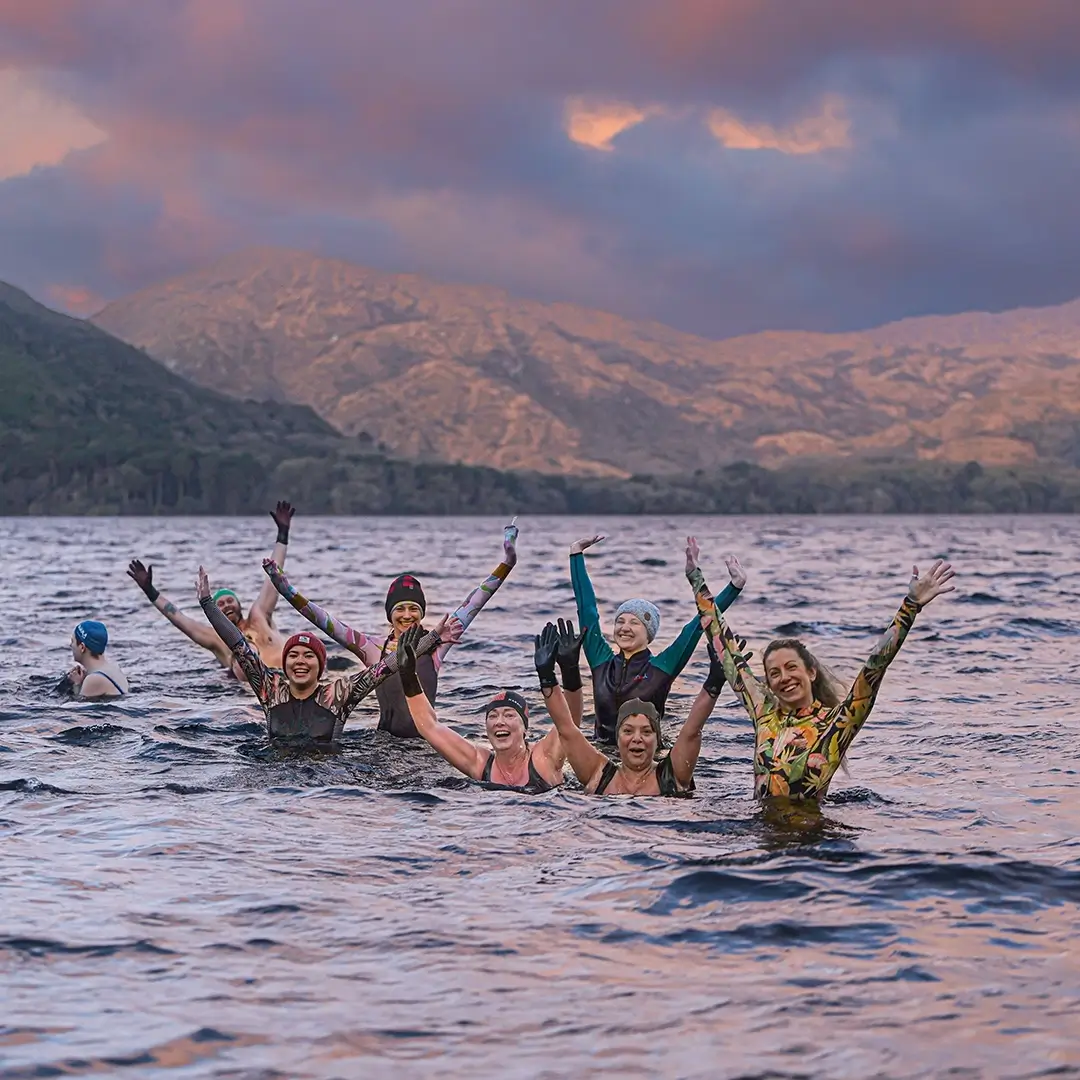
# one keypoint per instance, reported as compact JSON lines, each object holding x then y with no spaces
{"x":578,"y":546}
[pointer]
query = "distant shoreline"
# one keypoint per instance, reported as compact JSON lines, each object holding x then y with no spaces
{"x":375,"y":486}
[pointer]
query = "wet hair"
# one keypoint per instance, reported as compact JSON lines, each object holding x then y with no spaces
{"x":826,"y":687}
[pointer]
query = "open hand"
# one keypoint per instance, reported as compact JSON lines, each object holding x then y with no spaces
{"x":271,"y":567}
{"x":283,"y":514}
{"x":922,"y":589}
{"x":578,"y":546}
{"x":143,"y":576}
{"x":735,"y":570}
{"x":693,"y":554}
{"x":546,"y":648}
{"x":202,"y":585}
{"x":449,"y":629}
{"x":568,"y":644}
{"x":406,"y":651}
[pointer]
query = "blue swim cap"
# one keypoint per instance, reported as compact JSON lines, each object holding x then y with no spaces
{"x":93,"y":635}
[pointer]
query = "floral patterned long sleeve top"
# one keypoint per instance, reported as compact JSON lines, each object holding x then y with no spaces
{"x":796,"y":753}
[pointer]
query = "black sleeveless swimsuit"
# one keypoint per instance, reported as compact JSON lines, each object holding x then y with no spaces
{"x":665,"y":779}
{"x":537,"y":785}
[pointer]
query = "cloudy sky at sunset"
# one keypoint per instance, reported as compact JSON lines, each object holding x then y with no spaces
{"x":721,"y":165}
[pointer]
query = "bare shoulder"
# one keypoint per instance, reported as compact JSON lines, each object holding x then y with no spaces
{"x":97,"y":685}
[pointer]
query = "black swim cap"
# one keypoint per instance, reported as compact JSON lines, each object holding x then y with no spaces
{"x":510,"y":699}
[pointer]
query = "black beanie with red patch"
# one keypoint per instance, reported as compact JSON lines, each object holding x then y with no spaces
{"x":403,"y":590}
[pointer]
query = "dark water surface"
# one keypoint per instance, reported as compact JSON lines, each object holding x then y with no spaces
{"x":172,"y":904}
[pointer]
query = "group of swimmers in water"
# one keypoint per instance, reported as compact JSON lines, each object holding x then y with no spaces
{"x":804,"y":719}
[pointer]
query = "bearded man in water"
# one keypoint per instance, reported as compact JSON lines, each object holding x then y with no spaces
{"x":257,"y":626}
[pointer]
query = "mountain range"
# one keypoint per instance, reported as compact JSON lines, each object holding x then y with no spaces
{"x":456,"y":373}
{"x":91,"y":425}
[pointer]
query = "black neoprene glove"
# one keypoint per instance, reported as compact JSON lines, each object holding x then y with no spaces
{"x":143,"y":576}
{"x":406,"y":658}
{"x":283,"y":516}
{"x":547,"y":647}
{"x":714,"y":681}
{"x":568,"y":655}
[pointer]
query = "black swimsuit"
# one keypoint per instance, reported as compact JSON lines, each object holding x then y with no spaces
{"x":665,"y":779}
{"x":537,"y":785}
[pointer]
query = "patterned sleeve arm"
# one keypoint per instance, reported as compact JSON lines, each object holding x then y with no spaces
{"x":737,"y":671}
{"x":856,"y":707}
{"x":248,"y":659}
{"x":348,"y":638}
{"x":363,"y":683}
{"x":597,"y":650}
{"x":474,"y":603}
{"x":677,"y":655}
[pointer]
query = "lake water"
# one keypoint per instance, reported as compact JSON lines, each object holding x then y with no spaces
{"x":173,"y":904}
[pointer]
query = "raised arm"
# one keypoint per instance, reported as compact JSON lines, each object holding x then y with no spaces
{"x":856,"y":707}
{"x":597,"y":650}
{"x":684,"y":754}
{"x":254,"y":669}
{"x":474,"y":603}
{"x":267,"y":599}
{"x":448,"y":632}
{"x":452,"y":747}
{"x":567,"y":656}
{"x":586,"y":761}
{"x":357,"y":643}
{"x":751,"y":690}
{"x":200,"y":633}
{"x":677,"y":655}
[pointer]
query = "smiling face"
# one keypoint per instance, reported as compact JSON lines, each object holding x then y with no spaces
{"x":630,"y":634}
{"x":302,"y":668}
{"x":637,"y":742}
{"x":505,"y":728}
{"x":790,"y":680}
{"x":230,"y":608}
{"x":404,"y":615}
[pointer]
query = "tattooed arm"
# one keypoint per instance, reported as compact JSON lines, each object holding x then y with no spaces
{"x":200,"y":633}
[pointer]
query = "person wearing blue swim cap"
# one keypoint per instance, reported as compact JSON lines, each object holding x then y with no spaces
{"x":94,"y":675}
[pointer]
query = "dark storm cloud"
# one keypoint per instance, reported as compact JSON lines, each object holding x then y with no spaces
{"x":431,"y":135}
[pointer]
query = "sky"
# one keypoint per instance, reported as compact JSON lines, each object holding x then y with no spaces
{"x":723,"y":166}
